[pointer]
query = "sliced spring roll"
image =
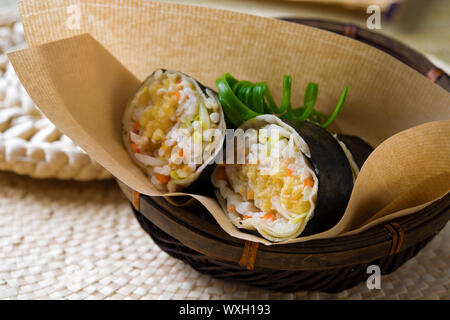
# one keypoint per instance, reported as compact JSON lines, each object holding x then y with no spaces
{"x":300,"y":183}
{"x":173,"y":128}
{"x":358,"y":149}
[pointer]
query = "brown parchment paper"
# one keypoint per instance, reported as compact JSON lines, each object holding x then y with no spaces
{"x":83,"y":82}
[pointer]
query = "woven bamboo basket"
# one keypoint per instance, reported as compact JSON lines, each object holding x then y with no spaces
{"x":189,"y":232}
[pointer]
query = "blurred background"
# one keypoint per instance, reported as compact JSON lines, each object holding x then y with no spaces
{"x":422,"y":24}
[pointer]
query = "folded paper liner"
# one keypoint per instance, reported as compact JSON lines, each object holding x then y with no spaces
{"x":83,"y":83}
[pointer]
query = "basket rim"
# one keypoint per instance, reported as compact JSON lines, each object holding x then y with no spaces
{"x":377,"y":242}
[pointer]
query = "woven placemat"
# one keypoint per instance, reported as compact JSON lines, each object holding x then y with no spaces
{"x":29,"y":143}
{"x":80,"y":240}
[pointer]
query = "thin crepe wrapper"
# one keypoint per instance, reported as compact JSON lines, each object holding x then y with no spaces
{"x":83,"y":83}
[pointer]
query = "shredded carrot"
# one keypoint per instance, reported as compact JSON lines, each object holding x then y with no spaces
{"x":137,"y":126}
{"x":250,"y":194}
{"x":180,"y":153}
{"x":221,"y":174}
{"x":245,"y":217}
{"x":289,"y":172}
{"x":178,"y":81}
{"x":162,"y":178}
{"x":134,"y":147}
{"x":269,"y":216}
{"x":232,"y":208}
{"x":308,"y":182}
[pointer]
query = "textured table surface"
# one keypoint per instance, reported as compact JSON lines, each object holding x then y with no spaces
{"x":80,"y":240}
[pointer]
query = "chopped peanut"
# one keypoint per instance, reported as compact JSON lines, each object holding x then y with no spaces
{"x":232,"y":208}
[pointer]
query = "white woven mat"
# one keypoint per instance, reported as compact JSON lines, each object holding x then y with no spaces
{"x":80,"y":240}
{"x":29,"y":143}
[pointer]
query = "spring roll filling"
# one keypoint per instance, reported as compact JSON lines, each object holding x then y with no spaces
{"x":277,"y":194}
{"x":171,"y":118}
